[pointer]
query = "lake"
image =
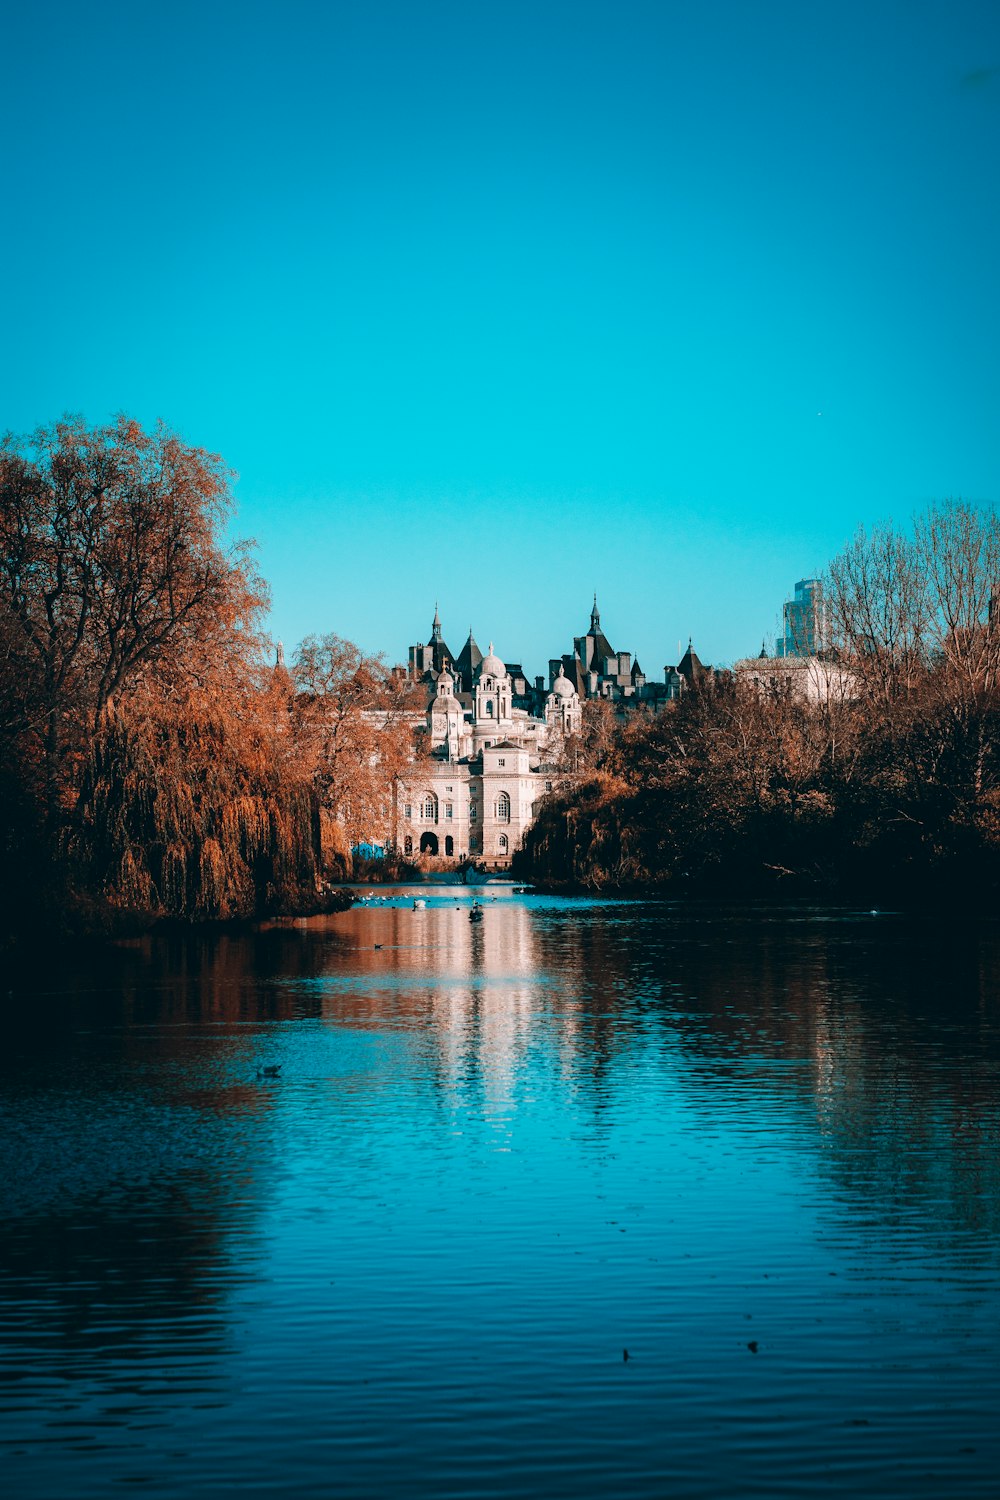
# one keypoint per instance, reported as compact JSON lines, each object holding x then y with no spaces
{"x":590,"y":1198}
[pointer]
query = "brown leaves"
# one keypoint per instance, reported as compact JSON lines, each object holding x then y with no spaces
{"x":355,"y":725}
{"x":113,"y":567}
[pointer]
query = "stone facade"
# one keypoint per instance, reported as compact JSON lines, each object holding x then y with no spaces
{"x":485,"y":756}
{"x":490,"y":740}
{"x":815,"y":679}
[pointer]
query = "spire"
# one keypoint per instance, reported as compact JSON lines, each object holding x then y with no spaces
{"x":595,"y":617}
{"x":436,"y":626}
{"x":279,"y":657}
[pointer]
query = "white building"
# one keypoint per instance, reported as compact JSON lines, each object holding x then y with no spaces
{"x":816,"y":679}
{"x":482,"y":766}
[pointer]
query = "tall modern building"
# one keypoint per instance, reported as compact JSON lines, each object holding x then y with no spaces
{"x":804,"y":621}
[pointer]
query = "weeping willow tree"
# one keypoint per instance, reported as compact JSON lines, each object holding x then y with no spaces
{"x":129,"y":741}
{"x":144,"y":752}
{"x":197,"y":804}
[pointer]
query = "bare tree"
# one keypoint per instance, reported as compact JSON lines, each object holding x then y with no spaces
{"x":958,"y":553}
{"x":880,"y":612}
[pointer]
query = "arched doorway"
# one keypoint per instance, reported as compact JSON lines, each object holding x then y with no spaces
{"x":449,"y":845}
{"x":428,"y":843}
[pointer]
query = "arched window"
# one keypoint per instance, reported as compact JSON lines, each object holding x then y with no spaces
{"x":503,"y":808}
{"x":489,"y":708}
{"x":429,"y":808}
{"x":502,"y":843}
{"x":407,"y":845}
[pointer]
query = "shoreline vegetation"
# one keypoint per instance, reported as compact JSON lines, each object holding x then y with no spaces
{"x":158,"y":764}
{"x":884,"y":790}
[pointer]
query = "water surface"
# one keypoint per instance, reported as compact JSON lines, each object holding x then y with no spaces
{"x":757,"y":1149}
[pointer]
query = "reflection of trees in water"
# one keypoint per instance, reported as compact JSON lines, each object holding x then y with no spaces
{"x":879,"y":1036}
{"x":128,"y":1210}
{"x":897,"y":1025}
{"x":111,"y":1277}
{"x":876,"y":1038}
{"x":138,"y":1144}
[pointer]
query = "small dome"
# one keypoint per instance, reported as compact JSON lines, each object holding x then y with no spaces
{"x":492,"y":666}
{"x":562,"y":686}
{"x":445,"y":692}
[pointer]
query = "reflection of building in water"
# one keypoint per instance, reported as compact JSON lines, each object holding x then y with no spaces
{"x":471,"y":988}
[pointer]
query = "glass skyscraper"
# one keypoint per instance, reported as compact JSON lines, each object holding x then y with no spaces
{"x":804,"y":621}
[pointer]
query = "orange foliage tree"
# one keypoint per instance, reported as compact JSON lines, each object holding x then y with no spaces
{"x":353,"y":721}
{"x":111,"y":568}
{"x":199,"y":802}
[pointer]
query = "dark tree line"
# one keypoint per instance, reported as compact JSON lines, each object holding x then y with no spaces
{"x":888,"y":786}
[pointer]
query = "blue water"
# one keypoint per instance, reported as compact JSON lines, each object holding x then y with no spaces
{"x":757,"y":1149}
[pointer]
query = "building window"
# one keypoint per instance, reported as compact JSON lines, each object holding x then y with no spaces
{"x":503,"y":808}
{"x":473,"y":840}
{"x":548,"y":786}
{"x":489,"y":708}
{"x":407,"y":845}
{"x":429,"y":808}
{"x":502,"y":843}
{"x":449,"y":810}
{"x":473,"y":812}
{"x":501,"y":761}
{"x":408,"y":810}
{"x":449,"y":846}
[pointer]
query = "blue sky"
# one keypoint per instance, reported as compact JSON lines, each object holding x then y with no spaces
{"x":498,"y":304}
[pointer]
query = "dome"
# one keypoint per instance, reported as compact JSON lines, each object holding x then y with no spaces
{"x":445,"y":689}
{"x":562,"y":686}
{"x":492,"y":666}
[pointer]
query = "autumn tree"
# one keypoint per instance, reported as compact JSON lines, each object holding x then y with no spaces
{"x":879,"y":612}
{"x":354,"y":719}
{"x":593,"y":747}
{"x":917,"y":624}
{"x":112,"y":567}
{"x":958,"y":554}
{"x":199,"y":802}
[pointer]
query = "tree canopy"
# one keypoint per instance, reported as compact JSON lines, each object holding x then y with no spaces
{"x":112,"y":567}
